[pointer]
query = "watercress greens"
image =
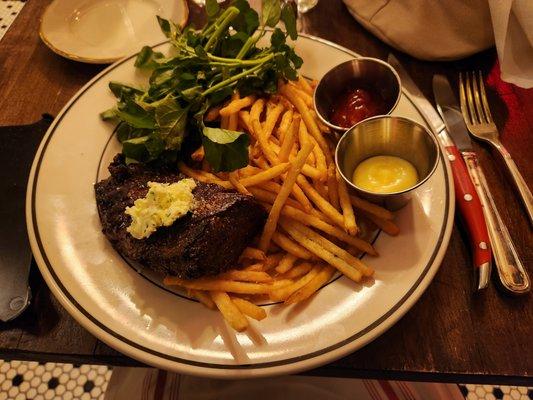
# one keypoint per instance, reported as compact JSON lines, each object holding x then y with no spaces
{"x":205,"y":68}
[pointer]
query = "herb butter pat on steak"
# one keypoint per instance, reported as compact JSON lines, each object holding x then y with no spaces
{"x":205,"y":241}
{"x":163,"y":204}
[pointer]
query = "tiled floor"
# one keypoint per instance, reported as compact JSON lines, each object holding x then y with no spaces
{"x":489,"y":392}
{"x":21,"y":380}
{"x":8,"y":12}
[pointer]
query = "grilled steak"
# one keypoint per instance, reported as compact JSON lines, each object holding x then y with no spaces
{"x":206,"y":241}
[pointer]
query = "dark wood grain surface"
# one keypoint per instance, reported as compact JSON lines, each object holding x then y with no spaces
{"x":451,"y":334}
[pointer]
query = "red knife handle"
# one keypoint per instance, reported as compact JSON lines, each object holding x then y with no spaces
{"x":470,"y":208}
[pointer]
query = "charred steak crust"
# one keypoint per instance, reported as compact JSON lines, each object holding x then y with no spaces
{"x":205,"y":242}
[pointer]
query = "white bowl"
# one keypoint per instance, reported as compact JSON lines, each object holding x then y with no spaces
{"x":103,"y":31}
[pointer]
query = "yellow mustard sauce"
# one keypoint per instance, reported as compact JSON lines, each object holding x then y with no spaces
{"x":385,"y":174}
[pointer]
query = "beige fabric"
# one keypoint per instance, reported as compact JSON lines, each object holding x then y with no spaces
{"x":428,"y":29}
{"x":452,"y":29}
{"x":513,"y":30}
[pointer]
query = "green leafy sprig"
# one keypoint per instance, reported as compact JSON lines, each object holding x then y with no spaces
{"x":206,"y":67}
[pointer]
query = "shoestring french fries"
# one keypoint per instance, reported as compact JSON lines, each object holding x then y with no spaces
{"x":312,"y":229}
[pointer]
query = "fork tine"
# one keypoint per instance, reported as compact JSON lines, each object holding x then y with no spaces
{"x":470,"y":100}
{"x":477,"y":99}
{"x":462,"y":97}
{"x":486,"y":107}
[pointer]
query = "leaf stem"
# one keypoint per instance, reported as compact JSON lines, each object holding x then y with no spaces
{"x":231,"y":12}
{"x":210,"y":27}
{"x":251,"y":41}
{"x":208,"y":30}
{"x":233,"y":62}
{"x":235,"y":78}
{"x":246,"y":47}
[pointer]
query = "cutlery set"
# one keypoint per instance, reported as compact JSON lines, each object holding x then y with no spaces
{"x":488,"y":233}
{"x":478,"y":119}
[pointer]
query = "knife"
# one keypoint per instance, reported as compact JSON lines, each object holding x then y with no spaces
{"x":15,"y":256}
{"x":465,"y":192}
{"x":511,"y":271}
{"x":17,"y":149}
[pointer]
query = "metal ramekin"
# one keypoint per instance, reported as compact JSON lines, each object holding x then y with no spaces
{"x":365,"y":71}
{"x":388,"y":136}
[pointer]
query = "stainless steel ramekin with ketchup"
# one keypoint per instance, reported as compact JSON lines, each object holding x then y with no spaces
{"x":382,"y":157}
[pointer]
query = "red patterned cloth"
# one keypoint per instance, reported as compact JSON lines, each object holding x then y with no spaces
{"x":517,"y":132}
{"x":153,"y":384}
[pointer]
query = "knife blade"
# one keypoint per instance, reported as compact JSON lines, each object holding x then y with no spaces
{"x":466,"y":195}
{"x":450,"y":112}
{"x":511,"y":271}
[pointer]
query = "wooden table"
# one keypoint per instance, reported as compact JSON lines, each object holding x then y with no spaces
{"x":451,"y":334}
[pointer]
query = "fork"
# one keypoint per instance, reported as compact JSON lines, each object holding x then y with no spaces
{"x":476,"y":113}
{"x":511,"y":271}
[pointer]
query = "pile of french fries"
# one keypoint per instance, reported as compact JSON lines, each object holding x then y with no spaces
{"x":312,"y":228}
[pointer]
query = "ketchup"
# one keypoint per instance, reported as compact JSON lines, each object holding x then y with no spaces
{"x":354,"y":105}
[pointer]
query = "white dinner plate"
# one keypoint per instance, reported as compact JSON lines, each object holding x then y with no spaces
{"x":104,"y":31}
{"x":139,"y":318}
